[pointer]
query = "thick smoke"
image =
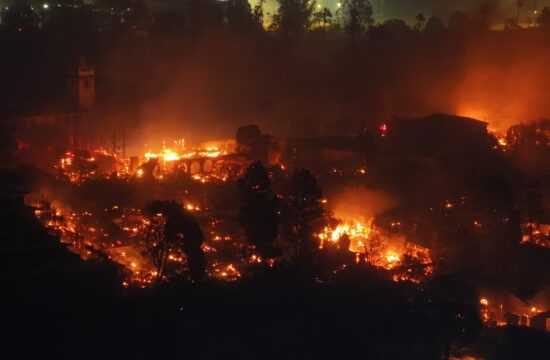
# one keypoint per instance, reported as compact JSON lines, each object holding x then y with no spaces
{"x":360,"y":203}
{"x":313,"y":87}
{"x":504,"y":79}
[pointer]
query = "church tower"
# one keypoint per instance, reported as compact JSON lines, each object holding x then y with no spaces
{"x":81,"y":85}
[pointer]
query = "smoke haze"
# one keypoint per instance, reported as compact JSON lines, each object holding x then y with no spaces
{"x":314,"y":87}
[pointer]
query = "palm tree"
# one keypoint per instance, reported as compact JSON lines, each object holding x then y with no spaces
{"x":420,"y":21}
{"x":322,"y":18}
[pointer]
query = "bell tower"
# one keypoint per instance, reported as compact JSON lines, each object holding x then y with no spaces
{"x":81,"y":84}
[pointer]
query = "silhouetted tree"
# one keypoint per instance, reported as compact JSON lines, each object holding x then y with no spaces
{"x":322,"y":18}
{"x":159,"y":247}
{"x":293,"y":17}
{"x":239,"y":15}
{"x":356,"y":16}
{"x":258,"y":13}
{"x":462,"y":24}
{"x":459,"y":22}
{"x":544,"y":18}
{"x":411,"y":267}
{"x":258,"y":209}
{"x":434,"y":27}
{"x":204,"y":14}
{"x":303,"y":214}
{"x":420,"y":21}
{"x":175,"y":229}
{"x":398,"y":28}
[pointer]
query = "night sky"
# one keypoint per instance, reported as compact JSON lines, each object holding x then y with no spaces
{"x":407,"y":9}
{"x":499,"y":10}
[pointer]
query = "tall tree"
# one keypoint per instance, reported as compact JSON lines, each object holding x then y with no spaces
{"x":258,"y":13}
{"x":544,"y":18}
{"x":259,"y":209}
{"x":356,"y":16}
{"x":174,"y":229}
{"x":303,"y":214}
{"x":464,"y":25}
{"x":293,"y":17}
{"x":322,"y":18}
{"x":435,"y":27}
{"x":239,"y":15}
{"x":420,"y":21}
{"x":204,"y":14}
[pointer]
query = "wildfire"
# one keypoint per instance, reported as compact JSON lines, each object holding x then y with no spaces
{"x":354,"y":230}
{"x":226,"y":272}
{"x":535,"y":233}
{"x":86,"y":235}
{"x":78,"y":166}
{"x":506,"y":309}
{"x":168,"y":155}
{"x":378,"y":250}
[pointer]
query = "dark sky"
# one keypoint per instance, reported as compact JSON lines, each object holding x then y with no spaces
{"x":499,"y":9}
{"x":407,"y":9}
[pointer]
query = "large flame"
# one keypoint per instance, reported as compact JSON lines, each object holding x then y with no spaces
{"x":373,"y":247}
